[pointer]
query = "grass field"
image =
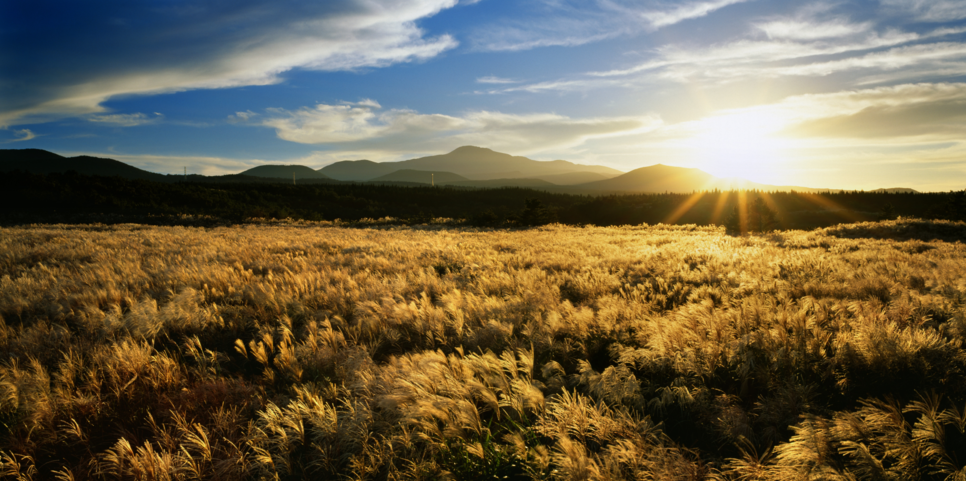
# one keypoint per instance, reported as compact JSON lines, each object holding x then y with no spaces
{"x":661,"y":352}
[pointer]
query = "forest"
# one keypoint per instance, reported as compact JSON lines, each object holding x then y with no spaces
{"x":305,"y":349}
{"x":72,"y":198}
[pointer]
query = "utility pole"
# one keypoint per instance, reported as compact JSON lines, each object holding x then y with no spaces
{"x":186,"y":173}
{"x":293,"y":178}
{"x":432,"y":179}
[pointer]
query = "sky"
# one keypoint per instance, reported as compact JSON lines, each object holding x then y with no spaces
{"x":834,"y":94}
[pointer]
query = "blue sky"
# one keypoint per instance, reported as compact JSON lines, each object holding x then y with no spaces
{"x":861,"y":94}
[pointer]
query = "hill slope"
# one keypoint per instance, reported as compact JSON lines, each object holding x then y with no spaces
{"x":574,"y":178}
{"x":655,"y":178}
{"x":896,"y":190}
{"x":475,"y":163}
{"x":666,"y":178}
{"x":37,"y":161}
{"x":358,"y":169}
{"x":497,"y":183}
{"x":284,"y":172}
{"x":420,"y":176}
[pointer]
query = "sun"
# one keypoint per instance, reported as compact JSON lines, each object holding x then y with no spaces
{"x":741,"y":144}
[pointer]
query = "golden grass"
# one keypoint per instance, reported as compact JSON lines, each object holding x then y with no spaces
{"x":661,"y":352}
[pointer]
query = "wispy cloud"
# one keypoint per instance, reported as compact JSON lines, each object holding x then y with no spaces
{"x":20,"y":135}
{"x":948,"y":53}
{"x":679,"y":11}
{"x":577,"y":22}
{"x":357,"y":127}
{"x":929,"y":10}
{"x":495,"y":80}
{"x":811,"y":30}
{"x":904,"y":113}
{"x":125,"y":120}
{"x":794,"y":48}
{"x":241,"y":116}
{"x":200,"y":45}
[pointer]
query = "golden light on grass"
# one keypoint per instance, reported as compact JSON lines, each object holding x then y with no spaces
{"x":636,"y":352}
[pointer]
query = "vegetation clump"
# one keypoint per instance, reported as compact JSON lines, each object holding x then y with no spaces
{"x":429,"y":352}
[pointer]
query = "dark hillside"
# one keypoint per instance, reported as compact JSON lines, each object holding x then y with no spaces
{"x":284,"y":172}
{"x":420,"y":176}
{"x":42,"y":162}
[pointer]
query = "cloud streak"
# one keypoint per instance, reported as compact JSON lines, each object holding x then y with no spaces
{"x":20,"y":135}
{"x":574,"y":22}
{"x":929,"y":10}
{"x":125,"y":120}
{"x":364,"y":127}
{"x":146,"y":48}
{"x":799,"y":45}
{"x":681,"y":11}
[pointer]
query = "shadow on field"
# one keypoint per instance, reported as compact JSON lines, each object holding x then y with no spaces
{"x":902,"y":229}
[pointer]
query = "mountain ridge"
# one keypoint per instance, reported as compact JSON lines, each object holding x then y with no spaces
{"x":273,"y":171}
{"x":655,"y":178}
{"x":474,"y":163}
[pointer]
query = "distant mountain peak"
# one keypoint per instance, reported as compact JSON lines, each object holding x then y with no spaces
{"x":470,"y":161}
{"x":278,"y":171}
{"x":471,"y":148}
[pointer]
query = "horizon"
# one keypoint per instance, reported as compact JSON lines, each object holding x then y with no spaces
{"x":844,"y":96}
{"x":708,"y":188}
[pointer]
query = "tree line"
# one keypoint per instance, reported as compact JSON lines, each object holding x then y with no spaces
{"x":70,"y":197}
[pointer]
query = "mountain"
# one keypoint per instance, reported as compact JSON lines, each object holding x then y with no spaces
{"x":497,"y":183}
{"x":666,"y":178}
{"x":574,"y":178}
{"x":896,"y":190}
{"x":466,"y":167}
{"x":420,"y":176}
{"x":475,"y":163}
{"x":284,"y":172}
{"x":359,"y":169}
{"x":655,"y":178}
{"x":38,"y":161}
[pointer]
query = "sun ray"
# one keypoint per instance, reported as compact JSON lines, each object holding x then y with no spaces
{"x":743,"y":210}
{"x":685,"y":206}
{"x":820,"y":200}
{"x":719,"y":206}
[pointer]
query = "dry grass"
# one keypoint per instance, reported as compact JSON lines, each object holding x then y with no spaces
{"x":659,"y":352}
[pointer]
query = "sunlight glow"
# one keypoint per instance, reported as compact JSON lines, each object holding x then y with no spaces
{"x":741,"y":144}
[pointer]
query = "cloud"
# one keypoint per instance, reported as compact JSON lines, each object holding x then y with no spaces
{"x":940,"y":53}
{"x":907,"y":113}
{"x":810,"y":30}
{"x":681,"y":11}
{"x":20,"y":135}
{"x":238,"y":117}
{"x":355,"y":127}
{"x":796,"y":47}
{"x":495,"y":80}
{"x":815,"y":40}
{"x":929,"y":10}
{"x":576,"y":22}
{"x":140,"y":48}
{"x":125,"y":120}
{"x":554,"y":86}
{"x":922,"y":119}
{"x":744,"y":58}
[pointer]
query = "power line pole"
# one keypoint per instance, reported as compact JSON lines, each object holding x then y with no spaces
{"x":432,"y":179}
